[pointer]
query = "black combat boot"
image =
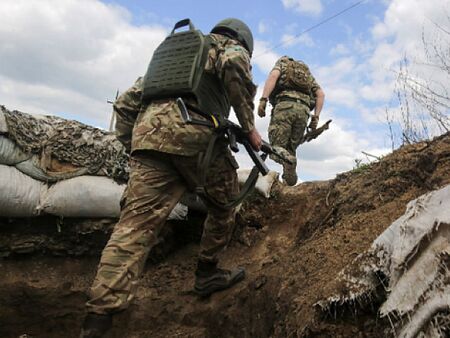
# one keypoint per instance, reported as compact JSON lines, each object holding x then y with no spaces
{"x":209,"y":278}
{"x":95,"y":326}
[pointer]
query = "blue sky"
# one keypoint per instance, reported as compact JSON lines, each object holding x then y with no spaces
{"x":68,"y":57}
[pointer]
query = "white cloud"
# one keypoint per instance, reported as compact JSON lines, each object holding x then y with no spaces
{"x":397,"y":35}
{"x":263,"y":57}
{"x":339,"y":49}
{"x":262,"y":27}
{"x":340,"y":82}
{"x":289,"y":40}
{"x":333,"y":152}
{"x":336,"y":72}
{"x":309,"y":7}
{"x":70,"y":56}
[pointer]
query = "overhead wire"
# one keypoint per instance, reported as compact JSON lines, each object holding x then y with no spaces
{"x":310,"y":28}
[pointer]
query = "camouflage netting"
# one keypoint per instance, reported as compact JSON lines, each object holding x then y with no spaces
{"x":70,"y":143}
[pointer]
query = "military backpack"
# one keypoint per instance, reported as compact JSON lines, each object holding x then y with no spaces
{"x":297,"y":76}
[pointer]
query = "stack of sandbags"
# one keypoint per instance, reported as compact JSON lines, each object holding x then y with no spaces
{"x":83,"y":196}
{"x":26,"y":190}
{"x":20,"y":194}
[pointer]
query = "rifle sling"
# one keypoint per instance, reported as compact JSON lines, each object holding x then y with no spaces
{"x":203,"y":167}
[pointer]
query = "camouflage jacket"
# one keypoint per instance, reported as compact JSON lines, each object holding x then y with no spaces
{"x":158,"y":126}
{"x":282,"y":88}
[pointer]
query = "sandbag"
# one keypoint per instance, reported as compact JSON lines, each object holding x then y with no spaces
{"x":263,"y":184}
{"x":20,"y":194}
{"x":3,"y":125}
{"x":83,"y":196}
{"x":90,"y":196}
{"x":10,"y":153}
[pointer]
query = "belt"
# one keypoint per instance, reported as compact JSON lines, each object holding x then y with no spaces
{"x":291,"y":99}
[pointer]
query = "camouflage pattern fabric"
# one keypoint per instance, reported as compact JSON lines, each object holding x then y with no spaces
{"x":126,"y":109}
{"x":157,"y":182}
{"x":283,"y":88}
{"x":287,"y":125}
{"x":158,"y":126}
{"x":291,"y":110}
{"x":165,"y":155}
{"x":68,"y":141}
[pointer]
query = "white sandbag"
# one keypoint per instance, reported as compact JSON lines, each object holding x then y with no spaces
{"x":422,"y":217}
{"x":20,"y":194}
{"x":421,"y":274}
{"x":91,"y":196}
{"x":10,"y":153}
{"x":263,"y":184}
{"x":83,"y":196}
{"x":3,"y":125}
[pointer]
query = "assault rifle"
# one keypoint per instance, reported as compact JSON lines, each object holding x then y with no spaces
{"x":312,"y":134}
{"x":233,"y":133}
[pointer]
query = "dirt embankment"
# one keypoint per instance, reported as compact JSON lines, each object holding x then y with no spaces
{"x":292,"y":245}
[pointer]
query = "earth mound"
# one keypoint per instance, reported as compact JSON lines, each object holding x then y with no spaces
{"x":292,"y":245}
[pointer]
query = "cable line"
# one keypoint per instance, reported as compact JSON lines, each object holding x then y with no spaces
{"x":311,"y":28}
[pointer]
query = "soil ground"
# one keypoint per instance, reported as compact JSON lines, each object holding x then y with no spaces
{"x":292,"y":246}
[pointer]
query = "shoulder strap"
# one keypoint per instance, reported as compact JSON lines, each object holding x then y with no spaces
{"x":203,"y":168}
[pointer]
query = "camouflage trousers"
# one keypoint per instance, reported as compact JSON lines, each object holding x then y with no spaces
{"x":287,"y":125}
{"x":286,"y":129}
{"x":157,"y":182}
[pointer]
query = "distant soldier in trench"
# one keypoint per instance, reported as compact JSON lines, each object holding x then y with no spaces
{"x":164,"y":162}
{"x":293,"y":92}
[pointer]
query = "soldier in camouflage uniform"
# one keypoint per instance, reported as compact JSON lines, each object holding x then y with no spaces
{"x":292,"y":91}
{"x":164,"y":158}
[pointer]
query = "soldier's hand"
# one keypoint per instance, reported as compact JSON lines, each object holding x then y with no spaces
{"x":255,"y":139}
{"x":314,"y":122}
{"x":262,"y":107}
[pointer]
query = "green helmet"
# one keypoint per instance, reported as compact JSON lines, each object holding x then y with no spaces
{"x":235,"y":29}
